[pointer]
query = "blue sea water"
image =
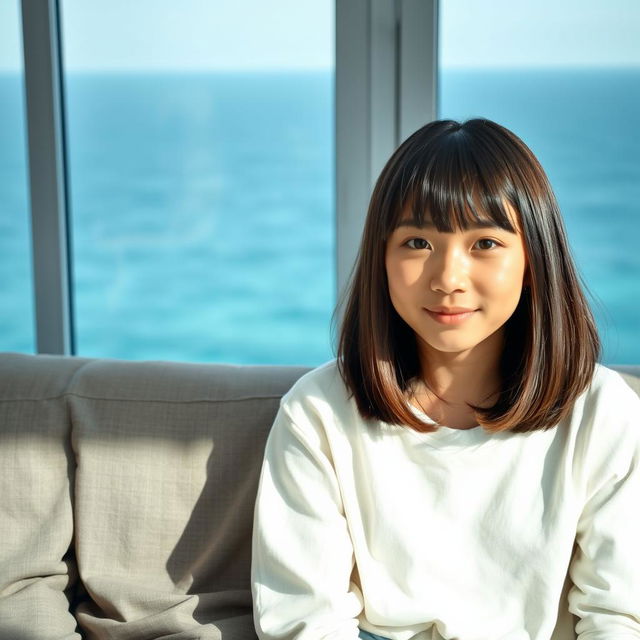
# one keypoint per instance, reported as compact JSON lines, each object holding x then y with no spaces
{"x":203,"y":215}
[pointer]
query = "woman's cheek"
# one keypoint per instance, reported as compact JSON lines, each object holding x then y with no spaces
{"x":509,"y":273}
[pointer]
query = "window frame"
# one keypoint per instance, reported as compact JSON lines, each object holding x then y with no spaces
{"x":385,"y":86}
{"x":48,"y":178}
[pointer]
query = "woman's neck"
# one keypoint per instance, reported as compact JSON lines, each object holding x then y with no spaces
{"x":453,"y":381}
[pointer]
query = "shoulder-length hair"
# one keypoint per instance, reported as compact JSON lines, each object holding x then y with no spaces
{"x":457,"y":173}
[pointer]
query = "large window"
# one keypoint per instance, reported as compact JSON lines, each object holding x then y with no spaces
{"x":16,"y":292}
{"x":201,"y":174}
{"x":566,"y":78}
{"x":200,"y":148}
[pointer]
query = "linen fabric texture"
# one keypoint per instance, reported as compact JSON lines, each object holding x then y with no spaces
{"x":127,"y":494}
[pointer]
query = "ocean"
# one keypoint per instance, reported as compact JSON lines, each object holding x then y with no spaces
{"x":203,"y":205}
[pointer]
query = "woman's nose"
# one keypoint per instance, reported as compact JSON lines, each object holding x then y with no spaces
{"x":449,"y":271}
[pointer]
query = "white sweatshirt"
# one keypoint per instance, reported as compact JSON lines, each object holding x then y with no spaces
{"x":456,"y":534}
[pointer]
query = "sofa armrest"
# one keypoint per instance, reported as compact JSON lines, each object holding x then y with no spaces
{"x":37,"y":566}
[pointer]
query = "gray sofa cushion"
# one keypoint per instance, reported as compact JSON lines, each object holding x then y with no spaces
{"x":168,"y":458}
{"x":161,"y":463}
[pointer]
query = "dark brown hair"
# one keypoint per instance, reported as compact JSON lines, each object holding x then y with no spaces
{"x":455,"y":173}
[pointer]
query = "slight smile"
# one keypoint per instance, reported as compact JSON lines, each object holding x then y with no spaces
{"x":452,"y":315}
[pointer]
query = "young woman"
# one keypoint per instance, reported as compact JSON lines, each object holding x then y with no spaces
{"x":465,"y":469}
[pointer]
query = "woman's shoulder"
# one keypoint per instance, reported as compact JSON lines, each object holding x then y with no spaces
{"x":322,"y":377}
{"x":609,"y":386}
{"x":606,"y":418}
{"x":321,"y":393}
{"x":322,"y":383}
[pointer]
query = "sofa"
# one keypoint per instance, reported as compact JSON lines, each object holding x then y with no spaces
{"x":127,"y":493}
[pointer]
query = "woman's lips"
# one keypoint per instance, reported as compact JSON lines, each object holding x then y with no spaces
{"x":450,"y":316}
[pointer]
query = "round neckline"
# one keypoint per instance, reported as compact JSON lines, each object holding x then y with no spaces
{"x":448,"y":438}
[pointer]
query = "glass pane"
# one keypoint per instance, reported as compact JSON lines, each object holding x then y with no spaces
{"x":16,"y":291}
{"x":566,"y":78}
{"x":201,"y":157}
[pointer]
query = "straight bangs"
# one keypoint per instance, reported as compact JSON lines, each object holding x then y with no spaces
{"x":450,"y":186}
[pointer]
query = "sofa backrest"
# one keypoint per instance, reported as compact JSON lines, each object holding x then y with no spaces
{"x":139,"y":476}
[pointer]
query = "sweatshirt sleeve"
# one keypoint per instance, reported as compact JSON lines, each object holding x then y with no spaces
{"x":606,"y":567}
{"x":302,"y":555}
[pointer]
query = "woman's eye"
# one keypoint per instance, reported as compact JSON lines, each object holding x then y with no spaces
{"x":486,"y":243}
{"x":417,"y":243}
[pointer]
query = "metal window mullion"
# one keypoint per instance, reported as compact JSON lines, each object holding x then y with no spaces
{"x":383,"y":86}
{"x":47,"y":176}
{"x":418,"y":65}
{"x":365,"y":115}
{"x":352,"y":128}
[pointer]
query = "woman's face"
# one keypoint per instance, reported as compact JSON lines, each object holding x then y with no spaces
{"x":455,"y":290}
